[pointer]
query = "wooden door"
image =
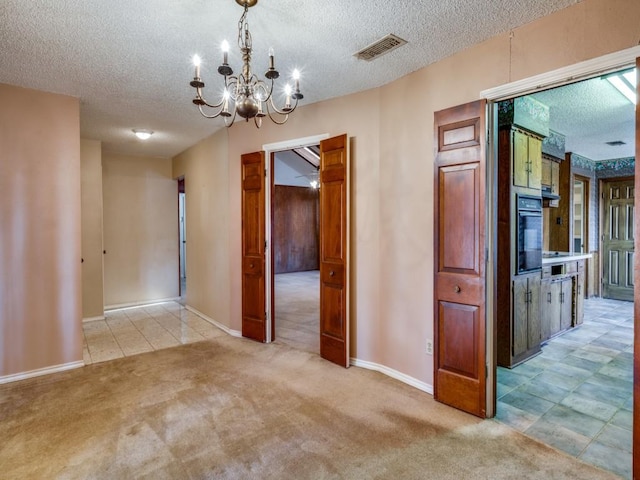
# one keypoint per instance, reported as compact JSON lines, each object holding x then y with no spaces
{"x":334,"y":318}
{"x":636,"y":314}
{"x":459,"y":291}
{"x":618,"y":239}
{"x":253,"y":247}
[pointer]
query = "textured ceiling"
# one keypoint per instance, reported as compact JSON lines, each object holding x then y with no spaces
{"x":129,"y":62}
{"x":589,"y":114}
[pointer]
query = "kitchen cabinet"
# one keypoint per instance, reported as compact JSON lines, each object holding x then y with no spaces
{"x":550,"y":175}
{"x":527,"y":160}
{"x":556,"y":306}
{"x":527,"y":331}
{"x":562,"y":296}
{"x":579,"y":279}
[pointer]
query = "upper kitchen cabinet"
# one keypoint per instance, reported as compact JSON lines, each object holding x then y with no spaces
{"x":524,"y":123}
{"x":553,"y":152}
{"x":527,"y":160}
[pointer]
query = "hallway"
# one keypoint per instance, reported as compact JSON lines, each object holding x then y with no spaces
{"x":130,"y":331}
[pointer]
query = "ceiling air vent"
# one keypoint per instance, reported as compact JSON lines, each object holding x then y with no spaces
{"x":382,"y":46}
{"x":616,"y":143}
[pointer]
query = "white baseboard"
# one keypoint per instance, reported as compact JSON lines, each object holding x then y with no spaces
{"x":224,"y":328}
{"x":41,"y":371}
{"x":142,"y":303}
{"x":92,"y":319}
{"x":390,"y":372}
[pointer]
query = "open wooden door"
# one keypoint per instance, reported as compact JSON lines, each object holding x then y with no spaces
{"x":459,"y":291}
{"x":253,"y":247}
{"x":636,"y":306}
{"x":334,"y":320}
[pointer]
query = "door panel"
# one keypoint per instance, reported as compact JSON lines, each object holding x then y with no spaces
{"x":334,"y":320}
{"x":253,"y":247}
{"x":618,"y":239}
{"x":460,"y":377}
{"x":636,"y":313}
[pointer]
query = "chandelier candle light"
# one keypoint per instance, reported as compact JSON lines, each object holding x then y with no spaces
{"x":245,"y":94}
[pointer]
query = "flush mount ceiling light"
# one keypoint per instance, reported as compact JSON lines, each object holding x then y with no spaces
{"x":625,"y":83}
{"x":245,"y":94}
{"x":142,"y":134}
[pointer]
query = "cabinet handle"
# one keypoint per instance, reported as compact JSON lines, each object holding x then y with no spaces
{"x":548,"y":297}
{"x":251,"y":265}
{"x":561,"y":297}
{"x":332,"y":273}
{"x":457,"y":289}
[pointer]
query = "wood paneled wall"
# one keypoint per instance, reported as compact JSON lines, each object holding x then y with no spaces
{"x":295,"y":229}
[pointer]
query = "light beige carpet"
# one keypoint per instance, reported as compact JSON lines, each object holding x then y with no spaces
{"x":232,"y":408}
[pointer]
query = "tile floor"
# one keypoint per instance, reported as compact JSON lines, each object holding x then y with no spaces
{"x":577,"y":395}
{"x":131,"y":331}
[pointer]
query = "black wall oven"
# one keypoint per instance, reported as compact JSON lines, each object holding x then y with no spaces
{"x":529,"y":233}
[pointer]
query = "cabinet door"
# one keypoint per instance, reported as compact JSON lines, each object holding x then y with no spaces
{"x":534,"y":329}
{"x":555,"y":177}
{"x":520,"y":153}
{"x":554,"y":308}
{"x":535,"y":162}
{"x":578,"y":313}
{"x":546,"y":172}
{"x":566,"y":303}
{"x":545,"y":310}
{"x":520,"y":304}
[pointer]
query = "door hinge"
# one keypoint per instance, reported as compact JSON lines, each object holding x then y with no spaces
{"x":265,"y":172}
{"x":265,"y":245}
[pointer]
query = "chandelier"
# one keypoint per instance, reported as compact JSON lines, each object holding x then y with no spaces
{"x":245,"y":94}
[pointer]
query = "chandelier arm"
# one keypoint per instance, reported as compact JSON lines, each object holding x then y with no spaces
{"x":274,"y":119}
{"x":258,"y":121}
{"x":215,"y":115}
{"x":217,"y":105}
{"x":233,"y":119}
{"x":282,"y":112}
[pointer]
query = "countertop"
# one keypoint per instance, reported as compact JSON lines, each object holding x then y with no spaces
{"x":552,"y":258}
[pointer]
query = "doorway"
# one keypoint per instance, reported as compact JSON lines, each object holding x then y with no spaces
{"x":295,"y":245}
{"x":258,"y":259}
{"x":571,"y":386}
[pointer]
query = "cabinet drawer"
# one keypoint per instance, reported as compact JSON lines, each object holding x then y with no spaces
{"x":546,"y":272}
{"x":572,"y":267}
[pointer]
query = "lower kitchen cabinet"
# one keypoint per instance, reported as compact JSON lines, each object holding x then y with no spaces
{"x":527,"y":331}
{"x":556,"y":306}
{"x":579,"y":279}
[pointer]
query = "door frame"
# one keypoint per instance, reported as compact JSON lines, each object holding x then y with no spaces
{"x":554,"y":78}
{"x":270,"y":149}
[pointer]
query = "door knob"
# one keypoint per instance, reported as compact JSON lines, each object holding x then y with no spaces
{"x":457,"y":289}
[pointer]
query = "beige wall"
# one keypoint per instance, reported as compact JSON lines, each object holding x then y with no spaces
{"x":40,"y":278}
{"x":140,"y":201}
{"x":206,"y":178}
{"x":91,"y":187}
{"x":391,"y":131}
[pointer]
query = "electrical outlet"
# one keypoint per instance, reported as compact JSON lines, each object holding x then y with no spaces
{"x":429,"y":346}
